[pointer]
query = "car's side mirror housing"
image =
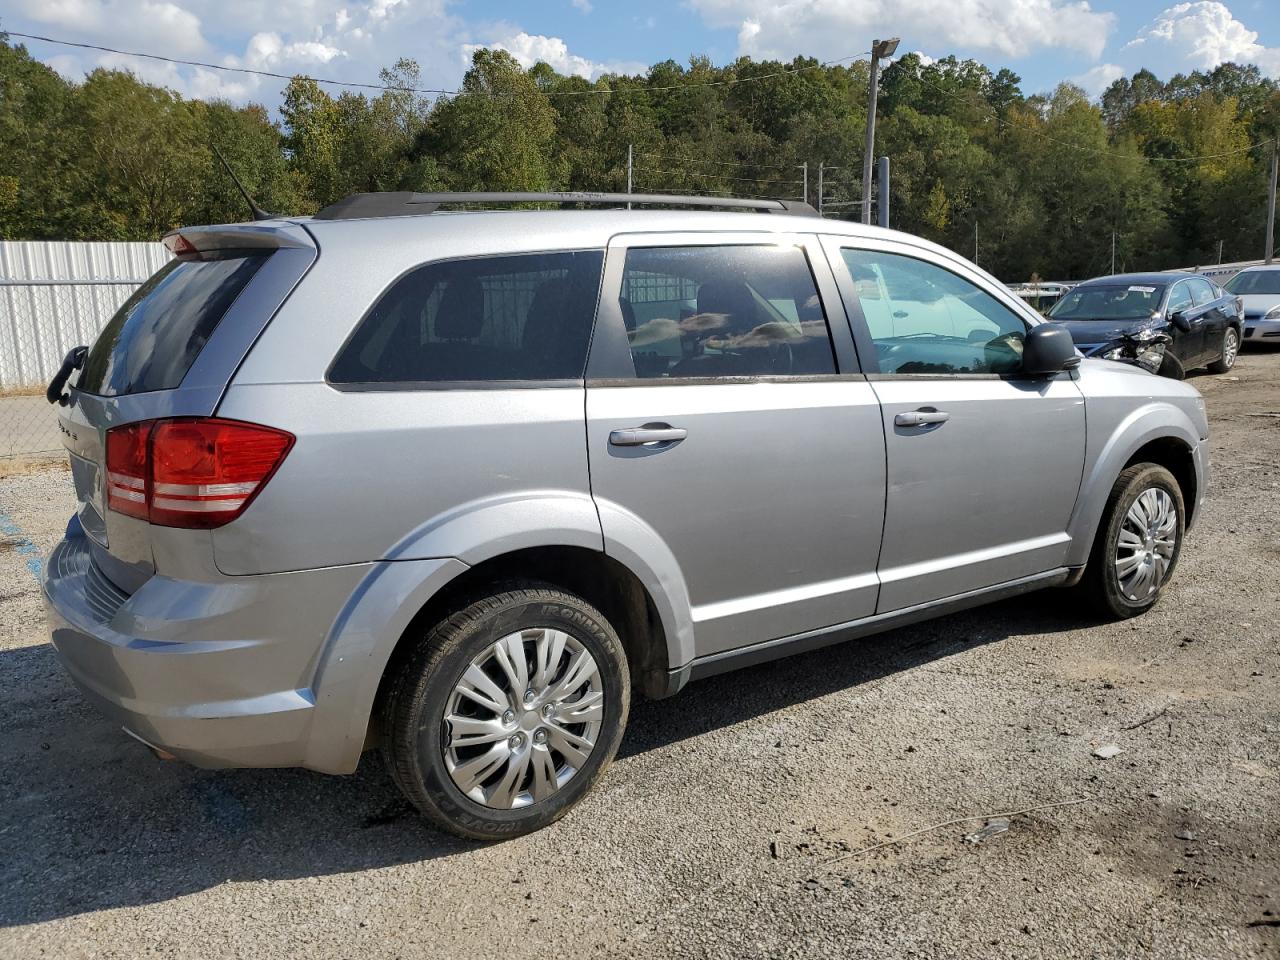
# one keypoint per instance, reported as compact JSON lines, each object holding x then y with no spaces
{"x":1179,"y":320}
{"x":1048,"y":349}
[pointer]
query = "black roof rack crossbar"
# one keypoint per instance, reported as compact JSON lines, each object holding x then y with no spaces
{"x":401,"y":204}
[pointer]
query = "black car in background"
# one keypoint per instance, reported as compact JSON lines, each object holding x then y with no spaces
{"x":1169,"y":323}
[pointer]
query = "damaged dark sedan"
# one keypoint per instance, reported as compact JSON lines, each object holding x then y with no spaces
{"x":1168,"y":323}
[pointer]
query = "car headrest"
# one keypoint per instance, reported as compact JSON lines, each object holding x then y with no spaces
{"x":546,"y":312}
{"x":731,"y":298}
{"x":461,"y":313}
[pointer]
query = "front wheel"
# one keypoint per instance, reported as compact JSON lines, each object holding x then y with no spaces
{"x":1172,"y":368}
{"x":1230,"y":350}
{"x":507,"y":712}
{"x":1138,"y":543}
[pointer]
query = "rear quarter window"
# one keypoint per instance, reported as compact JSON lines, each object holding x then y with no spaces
{"x":520,"y":317}
{"x":154,"y":338}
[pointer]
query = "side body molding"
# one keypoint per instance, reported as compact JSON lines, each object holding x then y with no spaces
{"x":1109,"y":447}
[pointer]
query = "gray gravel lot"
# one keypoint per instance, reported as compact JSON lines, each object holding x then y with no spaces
{"x":732,"y":822}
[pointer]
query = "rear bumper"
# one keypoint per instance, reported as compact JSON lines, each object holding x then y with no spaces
{"x":218,"y":674}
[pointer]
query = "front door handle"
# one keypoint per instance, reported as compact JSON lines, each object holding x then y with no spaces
{"x":638,"y":436}
{"x":921,"y":418}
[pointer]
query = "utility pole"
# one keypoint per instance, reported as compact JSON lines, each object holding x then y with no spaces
{"x":882,"y":179}
{"x":1219,"y":253}
{"x":881,"y":48}
{"x":1113,"y":251}
{"x":1271,"y":203}
{"x":819,"y":189}
{"x":975,"y":241}
{"x":628,"y":173}
{"x":805,"y":195}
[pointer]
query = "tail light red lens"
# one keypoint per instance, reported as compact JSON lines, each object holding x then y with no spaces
{"x":127,"y":469}
{"x":197,"y":473}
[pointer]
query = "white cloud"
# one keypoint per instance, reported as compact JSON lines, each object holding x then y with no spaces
{"x":529,"y":49}
{"x":1095,"y":81}
{"x":837,"y":28}
{"x":136,"y":24}
{"x":339,"y":39}
{"x":1202,"y":35}
{"x":582,"y":6}
{"x":266,"y":51}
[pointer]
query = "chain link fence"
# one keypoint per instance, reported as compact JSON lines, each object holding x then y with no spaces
{"x":55,"y":296}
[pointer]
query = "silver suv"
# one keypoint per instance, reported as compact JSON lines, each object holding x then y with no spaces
{"x":454,"y":483}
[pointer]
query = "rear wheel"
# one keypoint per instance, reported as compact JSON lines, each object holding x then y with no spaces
{"x":1230,"y":350}
{"x":507,"y":712}
{"x":1138,"y":543}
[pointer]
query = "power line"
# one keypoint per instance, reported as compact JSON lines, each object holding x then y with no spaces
{"x":729,"y":81}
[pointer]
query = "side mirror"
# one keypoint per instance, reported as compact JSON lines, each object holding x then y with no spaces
{"x":1179,"y":320}
{"x":1047,"y":350}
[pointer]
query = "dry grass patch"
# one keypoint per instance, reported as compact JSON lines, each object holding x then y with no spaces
{"x":25,"y":466}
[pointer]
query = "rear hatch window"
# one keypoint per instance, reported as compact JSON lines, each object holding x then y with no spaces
{"x":153,"y":339}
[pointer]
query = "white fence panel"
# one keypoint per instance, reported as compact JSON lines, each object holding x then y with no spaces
{"x":57,"y":295}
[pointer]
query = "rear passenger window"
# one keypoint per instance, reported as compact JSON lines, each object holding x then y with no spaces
{"x":1202,"y":291}
{"x":524,"y":317}
{"x":732,"y":311}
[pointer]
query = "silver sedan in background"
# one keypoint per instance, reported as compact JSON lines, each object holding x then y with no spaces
{"x":1259,"y":291}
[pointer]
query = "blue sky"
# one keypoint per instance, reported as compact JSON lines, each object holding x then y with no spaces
{"x":1044,"y":41}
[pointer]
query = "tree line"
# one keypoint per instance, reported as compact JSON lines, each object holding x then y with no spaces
{"x":1033,"y":184}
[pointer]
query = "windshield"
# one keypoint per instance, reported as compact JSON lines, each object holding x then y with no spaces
{"x":1254,"y":281}
{"x":1135,"y":301}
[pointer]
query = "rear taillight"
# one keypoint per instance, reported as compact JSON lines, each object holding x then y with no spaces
{"x":197,"y":473}
{"x":127,"y":469}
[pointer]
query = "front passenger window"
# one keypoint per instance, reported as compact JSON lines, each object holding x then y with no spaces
{"x":924,"y":319}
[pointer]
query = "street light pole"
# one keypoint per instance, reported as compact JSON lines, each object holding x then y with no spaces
{"x":881,"y":48}
{"x":1271,"y":203}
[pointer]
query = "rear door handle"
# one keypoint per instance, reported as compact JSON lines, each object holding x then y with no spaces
{"x":638,"y":436}
{"x":920,"y":418}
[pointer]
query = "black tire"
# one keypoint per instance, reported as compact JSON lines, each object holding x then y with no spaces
{"x":1172,"y":368}
{"x":1101,"y":583}
{"x":1227,"y":359}
{"x":413,"y":712}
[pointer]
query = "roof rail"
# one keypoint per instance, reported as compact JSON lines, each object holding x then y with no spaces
{"x":402,"y":204}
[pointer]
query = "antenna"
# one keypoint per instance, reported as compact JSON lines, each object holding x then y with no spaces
{"x":257,"y":211}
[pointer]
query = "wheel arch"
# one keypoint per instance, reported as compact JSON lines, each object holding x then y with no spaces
{"x":604,"y":582}
{"x":1160,"y":434}
{"x":1176,"y":456}
{"x":550,"y":536}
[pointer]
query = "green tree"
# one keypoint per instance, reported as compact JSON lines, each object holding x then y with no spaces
{"x":497,"y":134}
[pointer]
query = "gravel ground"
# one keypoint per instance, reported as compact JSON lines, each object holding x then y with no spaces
{"x":736,"y":821}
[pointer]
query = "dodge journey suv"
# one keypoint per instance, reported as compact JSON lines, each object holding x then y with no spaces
{"x":455,"y":484}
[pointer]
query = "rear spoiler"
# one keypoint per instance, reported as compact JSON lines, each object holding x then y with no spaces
{"x":271,"y":235}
